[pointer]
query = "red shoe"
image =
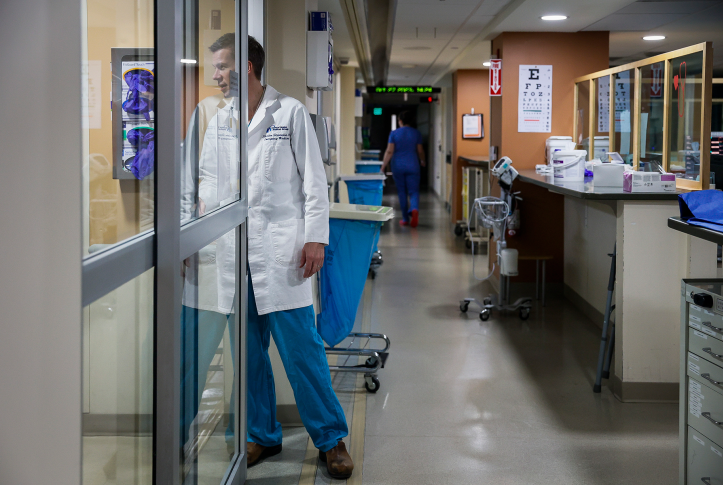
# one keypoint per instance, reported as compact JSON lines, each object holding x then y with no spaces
{"x":403,"y":223}
{"x":415,"y":218}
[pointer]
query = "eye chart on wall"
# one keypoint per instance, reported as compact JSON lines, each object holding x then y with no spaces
{"x":603,"y":104}
{"x":534,"y":107}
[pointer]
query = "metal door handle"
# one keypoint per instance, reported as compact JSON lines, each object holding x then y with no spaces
{"x":706,"y":415}
{"x":707,"y":350}
{"x":706,"y":480}
{"x":707,"y":376}
{"x":710,"y":325}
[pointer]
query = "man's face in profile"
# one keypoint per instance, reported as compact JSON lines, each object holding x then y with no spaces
{"x":223,"y":63}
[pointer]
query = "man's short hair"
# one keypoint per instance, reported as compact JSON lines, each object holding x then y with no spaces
{"x":226,"y":41}
{"x":257,"y":56}
{"x":405,"y":117}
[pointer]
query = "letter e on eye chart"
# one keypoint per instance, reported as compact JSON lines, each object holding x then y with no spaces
{"x":534,"y":107}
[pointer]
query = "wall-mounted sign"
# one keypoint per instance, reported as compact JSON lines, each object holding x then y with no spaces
{"x":495,"y":77}
{"x":377,"y":111}
{"x":472,"y":126}
{"x":403,"y":90}
{"x":534,"y":104}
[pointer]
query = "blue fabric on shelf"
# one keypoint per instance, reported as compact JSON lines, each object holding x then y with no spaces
{"x":343,"y":276}
{"x":703,"y":208}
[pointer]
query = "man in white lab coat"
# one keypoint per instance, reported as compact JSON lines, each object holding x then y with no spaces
{"x":288,"y":227}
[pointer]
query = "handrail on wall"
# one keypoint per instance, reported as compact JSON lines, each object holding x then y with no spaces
{"x":706,"y":48}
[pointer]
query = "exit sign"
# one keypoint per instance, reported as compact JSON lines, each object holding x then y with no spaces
{"x":377,"y":111}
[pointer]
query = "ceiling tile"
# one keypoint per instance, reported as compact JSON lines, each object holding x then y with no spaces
{"x":668,"y":7}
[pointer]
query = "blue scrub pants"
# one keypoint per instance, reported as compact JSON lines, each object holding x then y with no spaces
{"x":201,"y":334}
{"x":407,"y":182}
{"x":302,"y":353}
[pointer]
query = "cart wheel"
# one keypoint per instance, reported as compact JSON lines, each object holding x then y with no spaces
{"x":524,"y":313}
{"x":468,"y":243}
{"x":463,"y":306}
{"x":487,"y":301}
{"x":484,"y":315}
{"x":372,"y":384}
{"x":458,"y":231}
{"x":371,"y":362}
{"x":374,"y":274}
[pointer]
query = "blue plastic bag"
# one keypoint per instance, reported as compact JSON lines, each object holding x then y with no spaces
{"x":366,"y":192}
{"x":702,"y":208}
{"x":368,"y":168}
{"x":343,"y":275}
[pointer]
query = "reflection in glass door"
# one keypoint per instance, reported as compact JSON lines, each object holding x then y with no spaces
{"x":164,"y":242}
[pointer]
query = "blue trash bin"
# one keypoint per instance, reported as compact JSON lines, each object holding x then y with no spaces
{"x":346,"y":265}
{"x":366,"y":189}
{"x":365,"y":166}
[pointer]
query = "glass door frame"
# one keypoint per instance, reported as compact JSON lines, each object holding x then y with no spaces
{"x":165,"y":247}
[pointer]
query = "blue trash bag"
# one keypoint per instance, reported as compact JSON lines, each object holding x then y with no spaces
{"x":365,"y":192}
{"x":702,"y":208}
{"x":368,"y":168}
{"x":343,"y":275}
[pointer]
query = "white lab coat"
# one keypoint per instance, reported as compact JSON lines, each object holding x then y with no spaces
{"x":287,"y":198}
{"x":210,"y":282}
{"x":288,"y":201}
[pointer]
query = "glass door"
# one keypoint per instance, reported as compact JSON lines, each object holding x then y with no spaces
{"x":164,"y":212}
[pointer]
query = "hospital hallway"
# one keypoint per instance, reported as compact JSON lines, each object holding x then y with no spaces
{"x":464,"y":401}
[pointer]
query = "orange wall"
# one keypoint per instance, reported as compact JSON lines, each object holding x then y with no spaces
{"x":470,"y":90}
{"x":541,"y":212}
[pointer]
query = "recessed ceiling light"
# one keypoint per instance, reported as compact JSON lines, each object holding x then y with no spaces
{"x":553,"y":17}
{"x":487,"y":64}
{"x":408,"y":66}
{"x":654,"y":37}
{"x":188,"y":61}
{"x":418,"y":48}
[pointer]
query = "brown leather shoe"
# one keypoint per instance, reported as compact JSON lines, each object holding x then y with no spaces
{"x":255,"y":452}
{"x":338,"y":462}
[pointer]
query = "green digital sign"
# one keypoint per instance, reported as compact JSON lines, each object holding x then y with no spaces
{"x":403,"y":90}
{"x":377,"y":111}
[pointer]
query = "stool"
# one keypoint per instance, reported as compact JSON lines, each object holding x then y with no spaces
{"x":537,"y":259}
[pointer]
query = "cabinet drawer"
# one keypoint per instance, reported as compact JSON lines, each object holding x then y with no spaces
{"x":706,"y":321}
{"x":705,"y":346}
{"x":709,"y":374}
{"x":704,"y":460}
{"x":705,"y":410}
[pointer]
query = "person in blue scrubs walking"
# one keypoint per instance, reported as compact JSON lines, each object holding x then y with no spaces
{"x":405,"y":152}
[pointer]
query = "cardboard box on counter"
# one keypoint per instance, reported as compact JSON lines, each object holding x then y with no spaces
{"x":648,"y":182}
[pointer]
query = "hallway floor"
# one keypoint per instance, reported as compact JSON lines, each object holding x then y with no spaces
{"x":497,"y":402}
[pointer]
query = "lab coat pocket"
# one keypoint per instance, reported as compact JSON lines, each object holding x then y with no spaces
{"x":279,"y":161}
{"x":287,"y":238}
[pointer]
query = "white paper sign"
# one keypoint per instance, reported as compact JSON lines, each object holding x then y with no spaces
{"x":622,"y":100}
{"x":534,"y":106}
{"x":90,"y":94}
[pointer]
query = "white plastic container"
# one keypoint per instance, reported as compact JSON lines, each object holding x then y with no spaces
{"x":557,"y":143}
{"x":569,"y":166}
{"x":608,"y":174}
{"x":508,"y":262}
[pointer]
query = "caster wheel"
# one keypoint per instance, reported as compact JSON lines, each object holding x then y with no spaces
{"x":372,"y":384}
{"x":458,"y":231}
{"x":484,"y":315}
{"x":487,"y":301}
{"x":524,"y":313}
{"x":371,"y":362}
{"x":374,"y":275}
{"x":463,"y":306}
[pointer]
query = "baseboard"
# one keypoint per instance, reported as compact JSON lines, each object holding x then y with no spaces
{"x":662,"y":392}
{"x":288,"y":415}
{"x":117,"y":424}
{"x":581,"y":304}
